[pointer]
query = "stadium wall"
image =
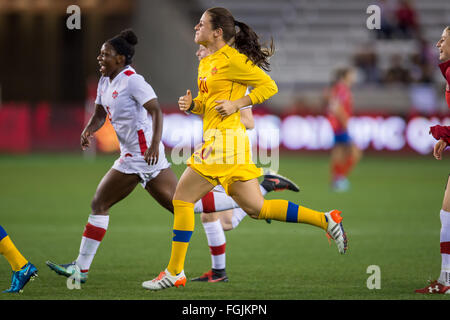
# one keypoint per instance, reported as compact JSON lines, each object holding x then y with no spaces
{"x":28,"y":128}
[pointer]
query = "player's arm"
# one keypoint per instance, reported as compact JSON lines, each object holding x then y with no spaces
{"x":96,"y":122}
{"x":338,"y":111}
{"x":247,"y":118}
{"x":246,"y":72}
{"x":143,"y":93}
{"x":439,"y":148}
{"x":251,"y":75}
{"x":227,"y":107}
{"x":151,"y":155}
{"x":442,"y":134}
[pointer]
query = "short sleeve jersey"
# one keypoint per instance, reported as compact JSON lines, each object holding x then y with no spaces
{"x":123,"y":99}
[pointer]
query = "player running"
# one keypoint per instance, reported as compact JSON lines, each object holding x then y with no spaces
{"x":22,"y":270}
{"x":442,"y":133}
{"x":132,"y":107}
{"x":224,"y":157}
{"x":344,"y":154}
{"x":215,"y":223}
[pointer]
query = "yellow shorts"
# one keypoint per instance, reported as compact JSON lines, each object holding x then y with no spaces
{"x":221,"y":165}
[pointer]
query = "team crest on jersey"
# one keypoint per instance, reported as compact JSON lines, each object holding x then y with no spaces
{"x":213,"y":71}
{"x":115,"y":94}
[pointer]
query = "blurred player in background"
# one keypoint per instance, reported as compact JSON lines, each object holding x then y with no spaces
{"x":442,"y":134}
{"x":215,"y":223}
{"x":127,"y":100}
{"x":223,"y":78}
{"x":22,"y":270}
{"x":344,"y":154}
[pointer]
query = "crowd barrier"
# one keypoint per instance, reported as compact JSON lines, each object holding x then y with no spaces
{"x":25,"y":129}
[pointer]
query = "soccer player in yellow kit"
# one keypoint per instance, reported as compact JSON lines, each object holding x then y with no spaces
{"x":224,"y":158}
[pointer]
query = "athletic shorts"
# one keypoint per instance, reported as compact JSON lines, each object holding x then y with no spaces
{"x":224,"y":167}
{"x":219,"y":188}
{"x":137,"y":165}
{"x":342,"y":138}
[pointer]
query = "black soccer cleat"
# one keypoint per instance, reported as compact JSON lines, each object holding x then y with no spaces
{"x":275,"y":182}
{"x":212,"y":276}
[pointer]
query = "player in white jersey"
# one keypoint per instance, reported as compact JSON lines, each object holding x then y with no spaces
{"x":215,"y":223}
{"x":132,"y":107}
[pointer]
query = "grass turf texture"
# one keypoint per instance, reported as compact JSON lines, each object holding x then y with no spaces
{"x":391,"y":215}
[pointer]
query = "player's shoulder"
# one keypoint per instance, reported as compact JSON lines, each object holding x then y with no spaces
{"x":133,"y":77}
{"x":228,"y":53}
{"x":341,"y":89}
{"x":130,"y":73}
{"x":237,"y":58}
{"x":102,"y":80}
{"x":234,"y":54}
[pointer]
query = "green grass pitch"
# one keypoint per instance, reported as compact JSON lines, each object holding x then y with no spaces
{"x":391,"y":215}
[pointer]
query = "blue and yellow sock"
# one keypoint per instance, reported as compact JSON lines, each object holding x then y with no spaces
{"x":283,"y":210}
{"x":9,"y":250}
{"x":183,"y":227}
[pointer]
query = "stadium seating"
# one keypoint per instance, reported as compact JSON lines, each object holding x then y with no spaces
{"x":314,"y":37}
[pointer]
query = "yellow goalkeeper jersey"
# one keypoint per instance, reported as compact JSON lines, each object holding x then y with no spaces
{"x":225,"y":75}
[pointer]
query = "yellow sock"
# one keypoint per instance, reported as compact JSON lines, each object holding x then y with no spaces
{"x":283,"y":210}
{"x":183,"y":226}
{"x":14,"y":257}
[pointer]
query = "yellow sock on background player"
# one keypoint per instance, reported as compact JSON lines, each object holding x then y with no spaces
{"x":23,"y":271}
{"x":10,"y":252}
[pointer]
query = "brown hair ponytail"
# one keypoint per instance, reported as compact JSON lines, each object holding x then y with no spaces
{"x":246,"y":40}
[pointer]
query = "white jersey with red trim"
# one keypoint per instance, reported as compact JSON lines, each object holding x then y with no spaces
{"x":123,"y":99}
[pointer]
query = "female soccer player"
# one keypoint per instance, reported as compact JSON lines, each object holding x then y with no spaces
{"x":344,"y":154}
{"x":127,"y":99}
{"x":215,"y":223}
{"x":22,"y":270}
{"x":442,"y":134}
{"x":224,"y":156}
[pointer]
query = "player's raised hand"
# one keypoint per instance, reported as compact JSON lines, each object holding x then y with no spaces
{"x":184,"y":102}
{"x":439,"y":147}
{"x":225,"y":107}
{"x":85,"y":139}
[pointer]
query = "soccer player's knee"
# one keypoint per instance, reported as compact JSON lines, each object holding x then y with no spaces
{"x":208,"y":217}
{"x":252,"y":213}
{"x":204,"y":217}
{"x":98,"y":206}
{"x":227,"y":227}
{"x":169,"y":206}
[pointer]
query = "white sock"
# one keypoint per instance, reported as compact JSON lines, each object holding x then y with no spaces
{"x":238,"y":215}
{"x":92,"y":236}
{"x":217,"y":201}
{"x":445,"y":248}
{"x":216,"y":242}
{"x":263,"y":191}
